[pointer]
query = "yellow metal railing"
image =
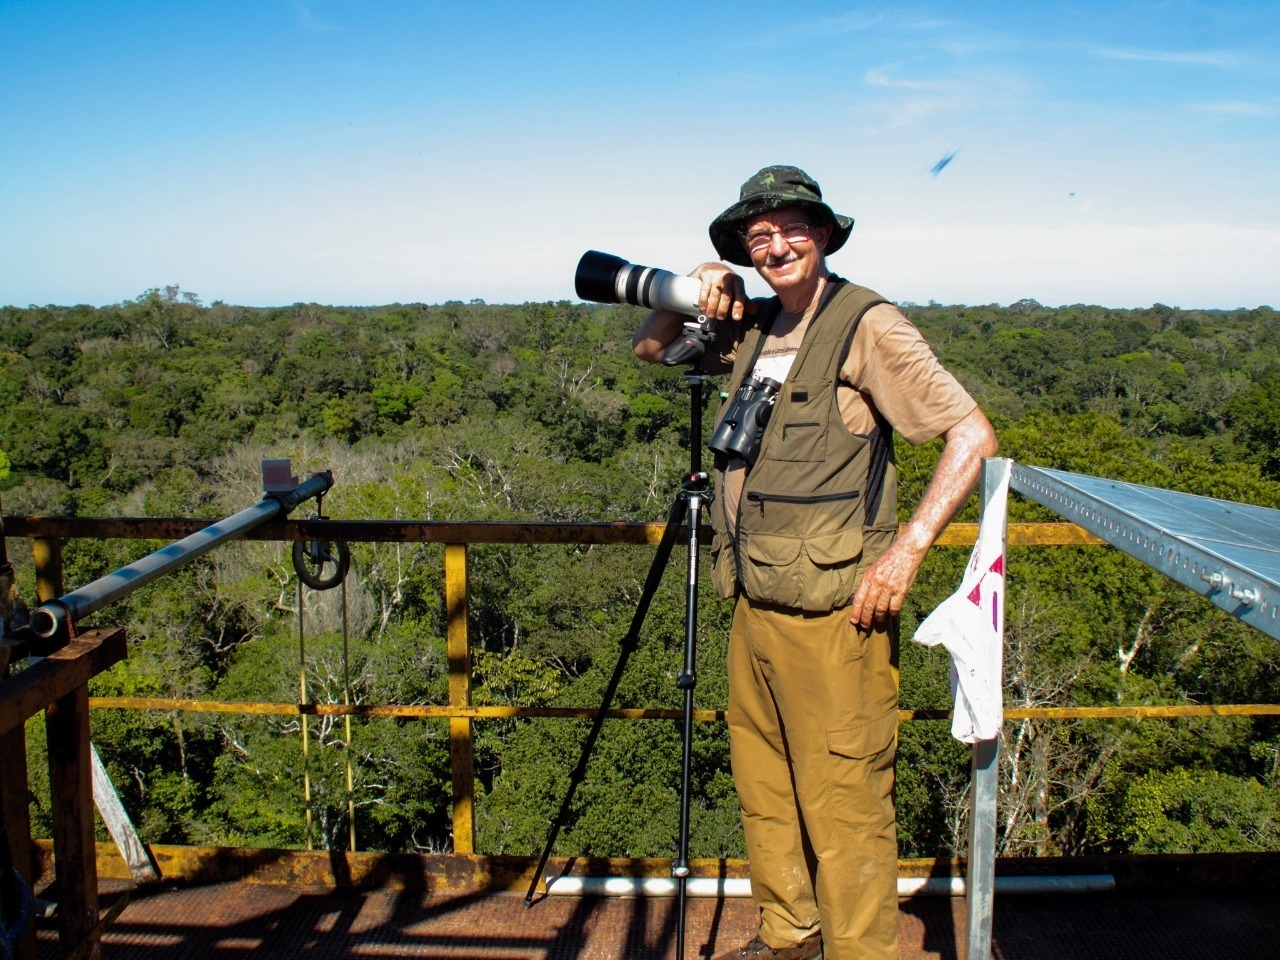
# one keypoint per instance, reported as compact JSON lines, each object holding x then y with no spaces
{"x":47,"y":535}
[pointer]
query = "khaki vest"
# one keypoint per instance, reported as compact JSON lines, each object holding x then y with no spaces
{"x":806,"y":518}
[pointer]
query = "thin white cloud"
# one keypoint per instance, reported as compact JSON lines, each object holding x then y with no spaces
{"x":909,"y":113}
{"x":961,"y":39}
{"x":880,"y":77}
{"x":1201,"y":59}
{"x":307,"y":18}
{"x":851,"y":22}
{"x":1239,"y":108}
{"x":896,"y":102}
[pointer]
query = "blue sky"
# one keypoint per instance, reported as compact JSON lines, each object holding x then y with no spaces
{"x":275,"y":151}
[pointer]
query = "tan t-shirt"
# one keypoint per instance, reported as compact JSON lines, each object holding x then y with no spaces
{"x":890,"y":368}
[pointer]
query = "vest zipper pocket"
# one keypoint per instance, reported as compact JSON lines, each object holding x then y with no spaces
{"x":797,"y":426}
{"x":761,"y":498}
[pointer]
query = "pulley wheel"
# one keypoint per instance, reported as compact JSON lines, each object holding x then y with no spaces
{"x":321,"y":564}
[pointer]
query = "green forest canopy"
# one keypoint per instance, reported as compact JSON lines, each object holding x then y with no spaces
{"x":162,"y":406}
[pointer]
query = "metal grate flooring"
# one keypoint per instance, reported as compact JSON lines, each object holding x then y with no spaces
{"x":230,"y":921}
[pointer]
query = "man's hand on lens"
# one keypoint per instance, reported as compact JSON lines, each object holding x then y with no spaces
{"x":723,"y":296}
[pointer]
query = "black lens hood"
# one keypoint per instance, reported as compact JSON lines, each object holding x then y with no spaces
{"x":597,"y":276}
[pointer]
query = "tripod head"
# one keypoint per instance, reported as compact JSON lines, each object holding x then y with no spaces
{"x":691,"y":345}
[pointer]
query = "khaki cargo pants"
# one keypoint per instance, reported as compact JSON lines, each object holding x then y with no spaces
{"x":813,"y":729}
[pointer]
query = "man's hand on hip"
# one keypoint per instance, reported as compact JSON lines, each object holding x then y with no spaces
{"x":885,"y":584}
{"x":887,"y":581}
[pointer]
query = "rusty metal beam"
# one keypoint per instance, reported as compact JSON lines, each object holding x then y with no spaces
{"x":46,"y":557}
{"x":15,"y":816}
{"x":354,"y":531}
{"x":331,"y":868}
{"x":62,"y":672}
{"x":463,"y":874}
{"x":71,"y":787}
{"x":403,"y":531}
{"x":429,"y":711}
{"x":110,"y":912}
{"x":461,"y":740}
{"x":58,"y":685}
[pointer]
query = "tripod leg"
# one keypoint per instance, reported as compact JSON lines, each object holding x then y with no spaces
{"x":687,"y":681}
{"x":652,"y":581}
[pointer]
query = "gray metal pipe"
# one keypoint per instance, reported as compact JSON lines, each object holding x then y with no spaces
{"x":721,"y":887}
{"x":57,"y":615}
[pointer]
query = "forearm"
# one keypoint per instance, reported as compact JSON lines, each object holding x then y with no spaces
{"x":954,"y":479}
{"x":659,"y":329}
{"x":885,"y":583}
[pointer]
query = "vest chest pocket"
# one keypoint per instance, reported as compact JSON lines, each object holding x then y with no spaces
{"x":803,"y":418}
{"x":813,"y":573}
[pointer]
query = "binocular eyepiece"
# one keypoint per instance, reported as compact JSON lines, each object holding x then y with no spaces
{"x":604,"y":278}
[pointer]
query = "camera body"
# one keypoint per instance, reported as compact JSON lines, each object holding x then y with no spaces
{"x":741,"y":429}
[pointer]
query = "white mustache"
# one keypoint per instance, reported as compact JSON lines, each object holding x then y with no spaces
{"x":789,"y":256}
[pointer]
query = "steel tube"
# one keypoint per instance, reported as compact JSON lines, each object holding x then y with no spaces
{"x":984,"y":766}
{"x":71,"y":607}
{"x":734,"y":887}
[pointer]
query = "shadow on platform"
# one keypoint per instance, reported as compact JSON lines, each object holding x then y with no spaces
{"x":233,"y":920}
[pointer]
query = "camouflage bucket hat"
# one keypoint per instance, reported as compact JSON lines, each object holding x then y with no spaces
{"x":774,"y":188}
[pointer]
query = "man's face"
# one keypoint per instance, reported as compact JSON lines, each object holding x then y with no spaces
{"x":785,"y":248}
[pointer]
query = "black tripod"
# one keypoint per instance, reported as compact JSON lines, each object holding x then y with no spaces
{"x":693,"y":495}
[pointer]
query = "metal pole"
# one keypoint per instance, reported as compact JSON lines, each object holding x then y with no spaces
{"x":461,"y":735}
{"x":985,"y":774}
{"x":46,"y":555}
{"x":7,"y":593}
{"x":303,"y":700}
{"x":346,"y":699}
{"x":695,"y":496}
{"x":6,"y":570}
{"x":73,"y":606}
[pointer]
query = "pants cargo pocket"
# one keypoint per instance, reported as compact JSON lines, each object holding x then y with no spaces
{"x":861,"y":780}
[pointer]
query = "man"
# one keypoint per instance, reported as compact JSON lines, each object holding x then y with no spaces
{"x":806,"y":542}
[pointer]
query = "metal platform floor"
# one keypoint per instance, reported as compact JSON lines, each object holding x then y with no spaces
{"x":241,"y":920}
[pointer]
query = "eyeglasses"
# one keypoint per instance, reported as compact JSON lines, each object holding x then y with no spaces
{"x":761,"y":237}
